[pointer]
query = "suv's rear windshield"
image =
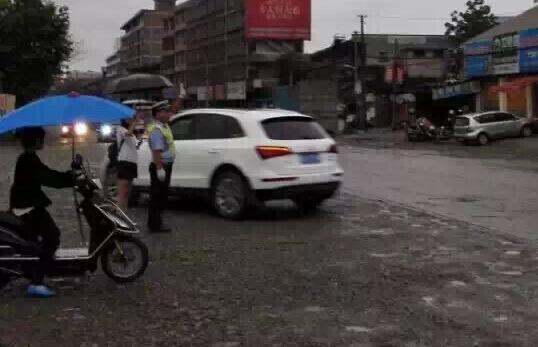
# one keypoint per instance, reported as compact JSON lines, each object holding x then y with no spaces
{"x":462,"y":122}
{"x":293,"y":128}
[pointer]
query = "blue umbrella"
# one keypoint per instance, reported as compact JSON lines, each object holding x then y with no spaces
{"x":65,"y":109}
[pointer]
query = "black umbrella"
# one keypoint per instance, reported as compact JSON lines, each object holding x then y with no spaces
{"x":139,"y":82}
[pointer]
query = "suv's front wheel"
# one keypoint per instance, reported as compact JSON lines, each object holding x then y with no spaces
{"x":482,"y":139}
{"x":230,"y":195}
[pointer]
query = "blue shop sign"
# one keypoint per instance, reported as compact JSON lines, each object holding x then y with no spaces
{"x":528,"y":60}
{"x":528,"y":38}
{"x":478,"y":48}
{"x":477,"y":66}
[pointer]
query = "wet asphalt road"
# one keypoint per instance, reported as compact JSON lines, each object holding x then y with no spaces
{"x":494,"y":186}
{"x":358,"y":273}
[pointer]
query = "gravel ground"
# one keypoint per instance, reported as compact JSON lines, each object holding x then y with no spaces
{"x":358,"y":273}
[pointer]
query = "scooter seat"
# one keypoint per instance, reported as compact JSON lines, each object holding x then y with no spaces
{"x":9,"y":220}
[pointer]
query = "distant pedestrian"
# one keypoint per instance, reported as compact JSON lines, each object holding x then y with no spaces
{"x":127,"y":166}
{"x":161,"y":142}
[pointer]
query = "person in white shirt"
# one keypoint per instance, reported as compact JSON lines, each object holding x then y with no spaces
{"x":127,"y":166}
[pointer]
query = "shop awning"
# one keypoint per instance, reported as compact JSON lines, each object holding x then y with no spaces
{"x":515,"y":85}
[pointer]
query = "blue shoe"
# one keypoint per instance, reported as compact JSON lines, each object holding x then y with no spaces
{"x":40,"y":291}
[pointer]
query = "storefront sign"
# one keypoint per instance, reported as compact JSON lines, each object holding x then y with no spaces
{"x":278,"y":19}
{"x":506,"y":68}
{"x":7,"y":103}
{"x":528,"y":60}
{"x":390,"y":74}
{"x":477,"y":66}
{"x":236,"y":91}
{"x":455,"y":90}
{"x":478,"y":48}
{"x":528,"y":38}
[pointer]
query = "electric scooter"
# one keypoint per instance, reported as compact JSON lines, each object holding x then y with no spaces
{"x":124,"y":258}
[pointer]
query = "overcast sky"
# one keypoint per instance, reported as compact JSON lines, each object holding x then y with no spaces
{"x":97,"y":23}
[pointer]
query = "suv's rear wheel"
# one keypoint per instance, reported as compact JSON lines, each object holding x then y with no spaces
{"x":526,"y":131}
{"x":230,"y":195}
{"x":482,"y":139}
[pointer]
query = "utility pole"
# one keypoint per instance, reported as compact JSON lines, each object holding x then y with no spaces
{"x":362,"y":74}
{"x":206,"y":78}
{"x":395,"y":67}
{"x":357,"y":87}
{"x":226,"y":9}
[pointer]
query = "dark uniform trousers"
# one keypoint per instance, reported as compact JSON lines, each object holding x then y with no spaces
{"x":159,"y":196}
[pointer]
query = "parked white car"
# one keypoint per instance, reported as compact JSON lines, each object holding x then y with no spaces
{"x":240,"y":157}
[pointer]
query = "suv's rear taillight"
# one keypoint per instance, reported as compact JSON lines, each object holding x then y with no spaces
{"x":333,"y":149}
{"x":268,"y":152}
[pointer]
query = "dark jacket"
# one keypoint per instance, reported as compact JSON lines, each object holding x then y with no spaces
{"x":30,"y":175}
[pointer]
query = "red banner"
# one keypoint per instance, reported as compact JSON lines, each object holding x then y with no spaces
{"x":278,"y":19}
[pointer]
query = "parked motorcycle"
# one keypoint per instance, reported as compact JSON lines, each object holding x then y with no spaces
{"x":425,"y":130}
{"x":124,"y":258}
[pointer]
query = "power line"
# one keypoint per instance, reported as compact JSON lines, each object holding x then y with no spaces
{"x":438,"y":18}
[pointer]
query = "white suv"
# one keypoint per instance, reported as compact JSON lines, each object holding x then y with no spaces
{"x":241,"y":157}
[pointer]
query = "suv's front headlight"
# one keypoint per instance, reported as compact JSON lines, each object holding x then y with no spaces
{"x":81,"y":129}
{"x":106,"y":130}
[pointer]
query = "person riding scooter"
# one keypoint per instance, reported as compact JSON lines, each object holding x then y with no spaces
{"x":29,"y":203}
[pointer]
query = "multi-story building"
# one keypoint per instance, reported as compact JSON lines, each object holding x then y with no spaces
{"x":503,"y":64}
{"x":141,"y":45}
{"x":114,"y":68}
{"x":421,"y":62}
{"x":207,"y":48}
{"x":421,"y":56}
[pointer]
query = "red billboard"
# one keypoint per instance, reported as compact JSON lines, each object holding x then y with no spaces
{"x":278,"y":19}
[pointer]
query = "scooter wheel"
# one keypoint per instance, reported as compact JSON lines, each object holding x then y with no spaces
{"x":125,"y":259}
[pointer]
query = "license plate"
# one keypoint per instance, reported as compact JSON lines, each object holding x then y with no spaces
{"x":310,"y":158}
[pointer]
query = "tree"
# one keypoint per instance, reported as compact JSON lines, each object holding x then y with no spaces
{"x":477,"y":19}
{"x":34,"y":46}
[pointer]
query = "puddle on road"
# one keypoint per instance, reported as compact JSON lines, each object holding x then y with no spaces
{"x":379,"y":232}
{"x":429,"y":300}
{"x":314,"y":309}
{"x":358,"y":329}
{"x":458,"y":284}
{"x":511,"y":273}
{"x":384,"y":256}
{"x":500,"y":319}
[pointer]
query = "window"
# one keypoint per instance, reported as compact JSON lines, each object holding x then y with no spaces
{"x":293,"y":128}
{"x":486,"y":118}
{"x":214,"y":126}
{"x":182,"y":128}
{"x":504,"y":117}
